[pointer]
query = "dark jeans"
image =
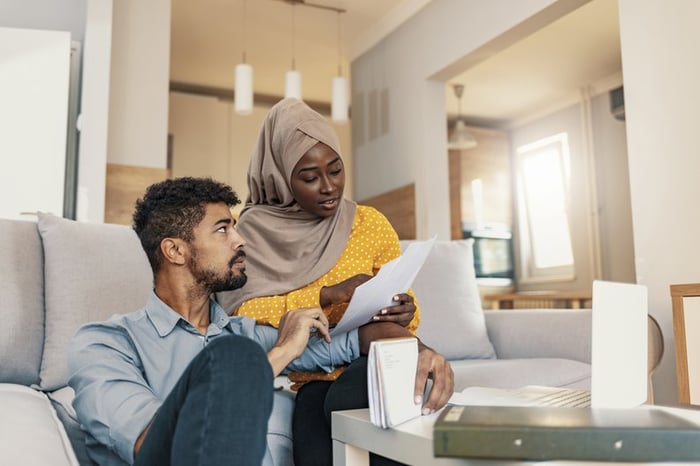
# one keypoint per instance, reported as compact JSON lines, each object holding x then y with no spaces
{"x":218,"y":411}
{"x":311,"y":423}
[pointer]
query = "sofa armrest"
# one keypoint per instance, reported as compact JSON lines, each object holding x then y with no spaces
{"x":539,"y":333}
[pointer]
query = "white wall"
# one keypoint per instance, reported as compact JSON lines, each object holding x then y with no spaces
{"x":410,"y":65}
{"x":138,"y":110}
{"x":94,"y":111}
{"x":124,"y":101}
{"x":662,"y":97}
{"x":209,"y":139}
{"x":66,"y":15}
{"x":613,"y":193}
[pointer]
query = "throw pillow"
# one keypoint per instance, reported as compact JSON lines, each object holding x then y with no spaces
{"x":452,"y":319}
{"x":91,"y":271}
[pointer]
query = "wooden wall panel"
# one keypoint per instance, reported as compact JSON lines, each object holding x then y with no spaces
{"x":124,"y":185}
{"x":489,"y":161}
{"x":399,"y":206}
{"x":455,"y":175}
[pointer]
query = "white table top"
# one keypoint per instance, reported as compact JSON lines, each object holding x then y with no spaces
{"x":412,"y":441}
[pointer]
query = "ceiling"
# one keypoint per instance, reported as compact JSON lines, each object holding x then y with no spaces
{"x":208,"y":38}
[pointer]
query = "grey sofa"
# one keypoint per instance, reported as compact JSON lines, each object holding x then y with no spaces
{"x":57,"y":274}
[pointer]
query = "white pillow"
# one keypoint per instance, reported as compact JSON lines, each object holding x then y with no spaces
{"x":91,"y":271}
{"x":452,"y":319}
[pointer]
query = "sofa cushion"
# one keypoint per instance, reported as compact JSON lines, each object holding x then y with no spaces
{"x":452,"y":319}
{"x":91,"y":271}
{"x":515,"y":373}
{"x":30,"y":432}
{"x":62,"y":401}
{"x":21,"y":302}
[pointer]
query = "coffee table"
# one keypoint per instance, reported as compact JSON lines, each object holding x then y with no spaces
{"x":354,"y":436}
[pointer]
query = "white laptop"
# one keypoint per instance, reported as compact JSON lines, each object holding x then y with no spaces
{"x":619,"y":358}
{"x":619,"y":350}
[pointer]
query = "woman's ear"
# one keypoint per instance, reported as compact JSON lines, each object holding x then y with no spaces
{"x":173,"y":250}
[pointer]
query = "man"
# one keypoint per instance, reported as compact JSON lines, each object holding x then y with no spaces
{"x":181,"y":382}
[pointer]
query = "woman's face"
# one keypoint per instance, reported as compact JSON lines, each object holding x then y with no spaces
{"x":318,"y":181}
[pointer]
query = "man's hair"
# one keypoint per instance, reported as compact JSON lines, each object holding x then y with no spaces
{"x":173,"y":208}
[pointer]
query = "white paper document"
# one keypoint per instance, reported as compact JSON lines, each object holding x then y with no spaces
{"x":391,"y":376}
{"x":394,"y":277}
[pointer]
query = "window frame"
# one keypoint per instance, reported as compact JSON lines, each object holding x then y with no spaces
{"x":528,"y":270}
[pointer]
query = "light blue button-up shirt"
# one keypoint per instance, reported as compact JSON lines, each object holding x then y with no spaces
{"x":122,"y":369}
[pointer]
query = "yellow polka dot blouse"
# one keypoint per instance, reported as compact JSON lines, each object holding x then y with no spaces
{"x":373,"y":242}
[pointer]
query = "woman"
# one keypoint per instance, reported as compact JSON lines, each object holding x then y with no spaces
{"x":310,"y":247}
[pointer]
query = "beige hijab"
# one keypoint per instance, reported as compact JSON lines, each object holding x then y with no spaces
{"x":287,"y":247}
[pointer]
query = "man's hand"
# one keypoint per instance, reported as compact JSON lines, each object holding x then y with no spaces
{"x":296,"y":327}
{"x":401,"y":313}
{"x":341,"y":292}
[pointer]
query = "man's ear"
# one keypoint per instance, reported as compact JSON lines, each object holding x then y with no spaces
{"x":173,"y":250}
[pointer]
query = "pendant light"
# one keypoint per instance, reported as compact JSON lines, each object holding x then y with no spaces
{"x":339,"y":99}
{"x":292,"y":79}
{"x":243,"y":88}
{"x":461,"y":138}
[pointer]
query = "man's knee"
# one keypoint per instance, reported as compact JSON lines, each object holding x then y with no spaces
{"x":236,"y":355}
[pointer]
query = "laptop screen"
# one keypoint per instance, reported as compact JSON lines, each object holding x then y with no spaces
{"x":619,"y":345}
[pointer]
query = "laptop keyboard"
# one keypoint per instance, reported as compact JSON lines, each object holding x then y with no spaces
{"x":559,"y":397}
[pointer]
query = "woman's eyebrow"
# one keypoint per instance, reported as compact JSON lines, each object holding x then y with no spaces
{"x":315,"y":167}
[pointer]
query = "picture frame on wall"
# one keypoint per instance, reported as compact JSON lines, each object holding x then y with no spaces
{"x":686,"y":331}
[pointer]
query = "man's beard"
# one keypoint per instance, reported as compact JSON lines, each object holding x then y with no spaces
{"x":214,"y":282}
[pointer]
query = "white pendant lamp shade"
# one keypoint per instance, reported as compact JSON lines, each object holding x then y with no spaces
{"x":461,"y":137}
{"x":339,"y":100}
{"x":292,"y":84}
{"x":243,"y":94}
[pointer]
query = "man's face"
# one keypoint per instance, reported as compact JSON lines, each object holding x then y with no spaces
{"x":217,"y":260}
{"x":318,"y":181}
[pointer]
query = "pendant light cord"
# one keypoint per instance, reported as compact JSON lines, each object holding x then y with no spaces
{"x":340,"y":54}
{"x":243,"y":32}
{"x":294,"y":65}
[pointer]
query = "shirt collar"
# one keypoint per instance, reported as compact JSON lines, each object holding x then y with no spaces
{"x":164,"y":318}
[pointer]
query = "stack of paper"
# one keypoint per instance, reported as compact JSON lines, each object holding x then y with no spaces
{"x":391,"y":367}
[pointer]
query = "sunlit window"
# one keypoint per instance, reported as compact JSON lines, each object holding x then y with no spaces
{"x":543,"y":181}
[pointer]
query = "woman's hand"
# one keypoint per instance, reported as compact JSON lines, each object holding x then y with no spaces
{"x":401,"y":313}
{"x":341,"y":292}
{"x":433,"y":365}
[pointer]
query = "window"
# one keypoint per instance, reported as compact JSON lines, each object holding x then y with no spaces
{"x":543,"y":172}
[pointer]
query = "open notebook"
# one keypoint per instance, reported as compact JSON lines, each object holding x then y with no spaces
{"x":618,"y":358}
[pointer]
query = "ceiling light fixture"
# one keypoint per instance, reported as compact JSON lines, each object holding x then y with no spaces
{"x":339,"y":99}
{"x":243,"y":88}
{"x":292,"y":79}
{"x":461,"y":138}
